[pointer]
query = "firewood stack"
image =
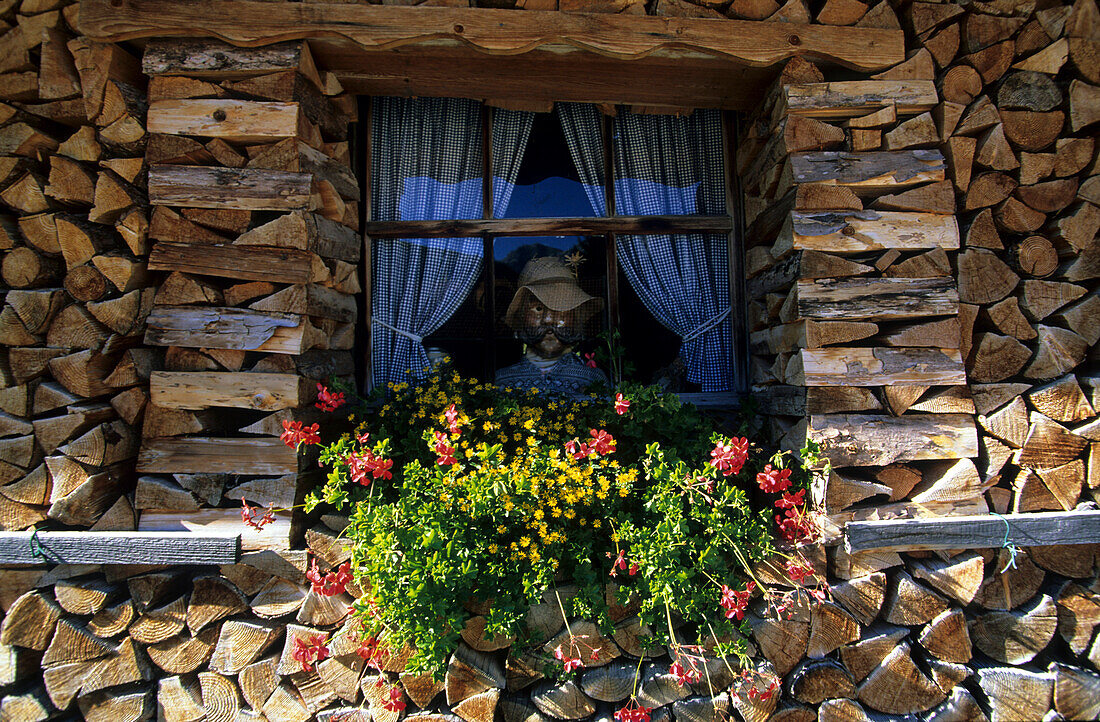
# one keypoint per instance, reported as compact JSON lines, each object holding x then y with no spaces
{"x":72,"y":219}
{"x":254,"y":226}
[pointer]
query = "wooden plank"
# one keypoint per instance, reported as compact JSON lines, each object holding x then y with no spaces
{"x":310,"y":300}
{"x":240,"y":121}
{"x":853,"y":98}
{"x":638,"y":225}
{"x":241,"y":188}
{"x":872,"y":171}
{"x":974,"y":532}
{"x":75,"y":547}
{"x":245,"y":390}
{"x":256,"y":263}
{"x":274,"y":536}
{"x":876,"y":367}
{"x":491,"y":31}
{"x":259,"y":456}
{"x":868,"y":440}
{"x":232,"y":328}
{"x":307,"y":232}
{"x":851,"y":299}
{"x":862,"y":231}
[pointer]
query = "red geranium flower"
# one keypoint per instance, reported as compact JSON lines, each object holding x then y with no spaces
{"x":445,"y":451}
{"x":308,"y":652}
{"x":569,"y":663}
{"x":329,"y":400}
{"x":734,"y":602}
{"x":393,"y":700}
{"x":637,"y":713}
{"x":373,"y":652}
{"x":590,"y":360}
{"x":798,"y":570}
{"x":622,"y":404}
{"x":773,"y":481}
{"x":730,"y":457}
{"x":295,"y":434}
{"x":451,"y":415}
{"x":791,"y":501}
{"x":602,"y":442}
{"x":248,"y":515}
{"x":332,"y":583}
{"x":360,"y":465}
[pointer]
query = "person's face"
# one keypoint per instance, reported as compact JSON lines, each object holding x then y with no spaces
{"x":547,"y":332}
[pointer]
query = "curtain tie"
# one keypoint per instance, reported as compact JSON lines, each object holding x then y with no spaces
{"x":399,"y":332}
{"x":706,"y":326}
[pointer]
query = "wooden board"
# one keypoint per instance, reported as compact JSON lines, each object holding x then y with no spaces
{"x":232,"y":328}
{"x":240,"y":188}
{"x":255,"y":263}
{"x":306,"y":232}
{"x":489,"y":31}
{"x":260,"y":456}
{"x":274,"y":536}
{"x":853,"y":98}
{"x":245,"y":390}
{"x":872,"y":171}
{"x":877,"y":367}
{"x":850,"y":299}
{"x":862,"y":231}
{"x":974,"y":532}
{"x":866,"y":440}
{"x":239,"y":121}
{"x":74,"y":547}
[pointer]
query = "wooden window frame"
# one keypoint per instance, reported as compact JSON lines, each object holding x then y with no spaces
{"x":488,"y":228}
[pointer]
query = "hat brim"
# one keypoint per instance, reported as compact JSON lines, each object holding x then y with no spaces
{"x":557,"y":296}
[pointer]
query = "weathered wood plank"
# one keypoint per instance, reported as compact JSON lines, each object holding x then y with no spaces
{"x":974,"y":532}
{"x":866,"y":440}
{"x":872,"y":171}
{"x":850,"y":299}
{"x":246,"y":390}
{"x":240,"y":188}
{"x":306,"y":232}
{"x":876,"y":367}
{"x":853,"y":98}
{"x":72,"y":547}
{"x":862,"y":231}
{"x":232,"y":328}
{"x":259,"y":456}
{"x":274,"y":536}
{"x":488,"y":31}
{"x":240,"y":121}
{"x":257,"y":263}
{"x":211,"y":58}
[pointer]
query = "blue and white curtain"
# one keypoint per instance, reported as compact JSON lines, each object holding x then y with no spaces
{"x":667,"y":165}
{"x":426,"y":161}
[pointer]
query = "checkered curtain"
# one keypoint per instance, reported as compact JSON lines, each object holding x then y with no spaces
{"x":426,"y":164}
{"x":667,"y":165}
{"x":581,"y":125}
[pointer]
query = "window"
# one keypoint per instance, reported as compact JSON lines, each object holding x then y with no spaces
{"x":463,"y":197}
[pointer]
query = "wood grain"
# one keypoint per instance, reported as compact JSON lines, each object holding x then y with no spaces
{"x":489,"y":31}
{"x":260,"y":456}
{"x":240,"y":188}
{"x":974,"y":532}
{"x":73,"y":547}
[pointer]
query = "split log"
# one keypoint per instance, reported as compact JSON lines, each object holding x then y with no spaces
{"x":946,"y":637}
{"x":256,"y":264}
{"x":897,"y":686}
{"x":862,"y":596}
{"x":816,"y":680}
{"x":241,"y":643}
{"x":959,"y":577}
{"x":855,"y":98}
{"x":184,"y":654}
{"x":783,"y":642}
{"x":1076,"y":691}
{"x":236,"y":188}
{"x":30,"y":622}
{"x":830,"y":628}
{"x":1016,"y":693}
{"x":231,"y":328}
{"x":909,"y":603}
{"x":1078,"y":615}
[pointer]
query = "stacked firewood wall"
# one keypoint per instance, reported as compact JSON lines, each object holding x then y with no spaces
{"x":254,"y":220}
{"x":72,"y":228}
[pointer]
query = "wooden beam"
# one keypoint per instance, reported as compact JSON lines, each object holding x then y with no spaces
{"x":241,"y":188}
{"x":637,"y":225}
{"x":863,"y":231}
{"x":974,"y":532}
{"x":490,"y":31}
{"x":192,"y":390}
{"x":76,"y":547}
{"x":191,"y":455}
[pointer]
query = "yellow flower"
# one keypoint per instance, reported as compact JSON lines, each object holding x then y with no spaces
{"x":501,"y":529}
{"x":525,"y":541}
{"x":493,"y":548}
{"x":597,"y":523}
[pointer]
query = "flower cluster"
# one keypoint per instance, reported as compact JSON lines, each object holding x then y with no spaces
{"x":568,"y":662}
{"x":757,"y":686}
{"x":443,"y":450}
{"x":367,"y":462}
{"x":690,"y":674}
{"x":602,"y":444}
{"x":308,"y":651}
{"x":728,"y":457}
{"x":373,"y":652}
{"x":331,"y":584}
{"x":620,"y":563}
{"x":294,"y":434}
{"x":622,"y":404}
{"x":633,"y":712}
{"x":773,"y":481}
{"x":734,"y":602}
{"x":250,"y":518}
{"x":328,"y":400}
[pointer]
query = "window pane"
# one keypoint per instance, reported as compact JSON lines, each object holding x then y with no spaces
{"x":548,"y":184}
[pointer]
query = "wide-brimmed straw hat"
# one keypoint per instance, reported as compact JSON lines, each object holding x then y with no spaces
{"x":550,"y":281}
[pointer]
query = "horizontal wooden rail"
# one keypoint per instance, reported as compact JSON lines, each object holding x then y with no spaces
{"x":974,"y":532}
{"x":634,"y":225}
{"x":492,"y":31}
{"x":91,"y":547}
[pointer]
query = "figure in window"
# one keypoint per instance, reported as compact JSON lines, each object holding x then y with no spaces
{"x":549,"y":314}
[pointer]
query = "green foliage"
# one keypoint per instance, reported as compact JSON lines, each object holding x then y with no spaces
{"x":536,"y":494}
